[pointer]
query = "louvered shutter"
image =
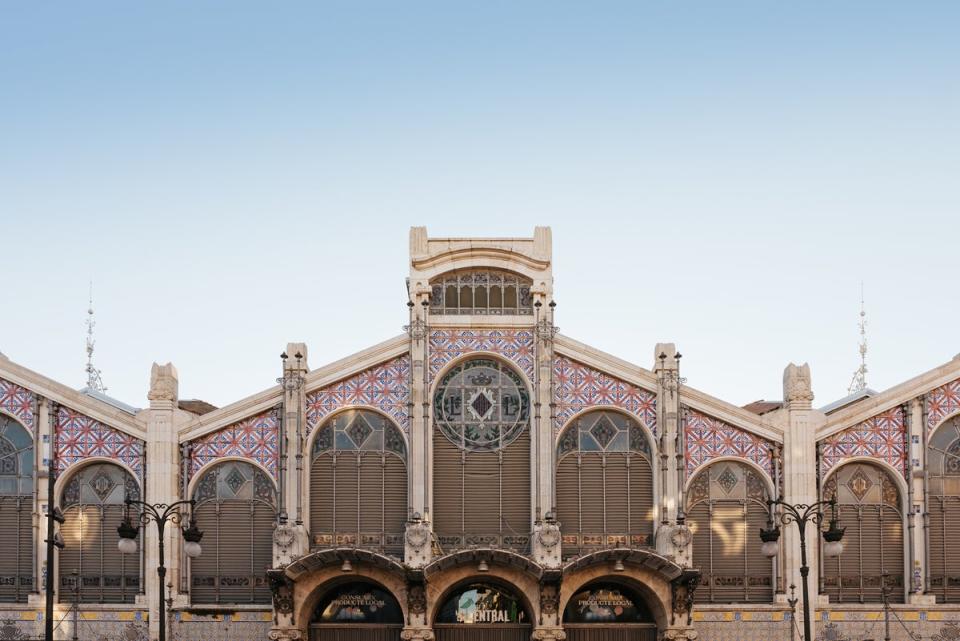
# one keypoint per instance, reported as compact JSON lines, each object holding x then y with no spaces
{"x":371,"y":483}
{"x":347,"y":492}
{"x":321,"y":496}
{"x":728,"y":530}
{"x":204,"y":568}
{"x":616,"y":495}
{"x":481,"y":492}
{"x":698,"y":519}
{"x":641,"y":498}
{"x":944,"y":561}
{"x":236,"y":552}
{"x":759,"y":569}
{"x":591,"y":495}
{"x":892,"y":544}
{"x":395,"y":503}
{"x":16,"y":565}
{"x":264,"y":519}
{"x":447,"y":488}
{"x":516,"y":487}
{"x":106,"y":576}
{"x":568,"y":502}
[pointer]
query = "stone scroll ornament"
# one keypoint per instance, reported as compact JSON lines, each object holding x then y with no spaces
{"x":416,"y":599}
{"x":282,"y":588}
{"x":682,"y":590}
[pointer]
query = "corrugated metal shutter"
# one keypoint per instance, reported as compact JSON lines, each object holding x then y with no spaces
{"x":516,"y":486}
{"x":616,"y":494}
{"x":394,"y":503}
{"x":347,"y":494}
{"x":327,"y":632}
{"x":16,"y":533}
{"x":485,"y":495}
{"x":872,"y":546}
{"x":728,"y":526}
{"x":591,"y":494}
{"x":759,"y":569}
{"x":237,"y":550}
{"x":641,"y":498}
{"x":447,"y":487}
{"x":321,"y":495}
{"x":944,"y":565}
{"x":698,"y":519}
{"x":568,"y":502}
{"x":106,"y":576}
{"x":371,"y":483}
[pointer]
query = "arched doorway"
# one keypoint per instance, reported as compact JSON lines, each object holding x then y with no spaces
{"x":608,"y":611}
{"x":357,"y":611}
{"x":482,"y":611}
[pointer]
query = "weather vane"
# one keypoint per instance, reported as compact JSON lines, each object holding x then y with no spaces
{"x":859,"y":382}
{"x":94,"y":381}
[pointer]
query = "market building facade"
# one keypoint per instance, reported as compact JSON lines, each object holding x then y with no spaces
{"x":480,"y":476}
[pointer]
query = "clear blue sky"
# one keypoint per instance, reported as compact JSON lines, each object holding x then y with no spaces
{"x":236,"y":175}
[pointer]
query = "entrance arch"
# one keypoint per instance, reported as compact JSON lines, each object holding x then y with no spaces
{"x":356,"y":610}
{"x":608,"y":610}
{"x":482,"y":609}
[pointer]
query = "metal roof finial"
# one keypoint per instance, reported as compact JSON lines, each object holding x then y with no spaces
{"x":859,"y":382}
{"x":94,"y":381}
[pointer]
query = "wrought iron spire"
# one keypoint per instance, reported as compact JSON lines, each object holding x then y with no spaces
{"x":859,"y":382}
{"x":94,"y":381}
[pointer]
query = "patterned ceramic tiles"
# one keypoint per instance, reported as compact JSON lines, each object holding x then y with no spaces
{"x":942,"y":402}
{"x":255,"y":438}
{"x":578,"y":386}
{"x":884,"y":437}
{"x":515,"y":345}
{"x":709,"y":438}
{"x":80,"y":437}
{"x":18,"y":401}
{"x":386,"y":387}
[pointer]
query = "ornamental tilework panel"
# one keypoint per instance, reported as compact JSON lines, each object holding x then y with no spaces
{"x":709,"y":438}
{"x":578,"y":386}
{"x":255,"y":438}
{"x":80,"y":437}
{"x":884,"y":437}
{"x":942,"y":402}
{"x":18,"y":401}
{"x":515,"y":345}
{"x":386,"y":387}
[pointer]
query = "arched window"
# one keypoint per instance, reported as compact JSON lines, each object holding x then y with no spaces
{"x":604,"y":483}
{"x":481,"y":457}
{"x":481,"y":291}
{"x":868,"y":506}
{"x":93,"y":506}
{"x":726,"y":507}
{"x":358,"y":482}
{"x":943,"y":462}
{"x":16,"y":511}
{"x":236,"y":506}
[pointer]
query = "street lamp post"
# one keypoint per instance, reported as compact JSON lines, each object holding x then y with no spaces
{"x":801,"y":514}
{"x":159,"y":513}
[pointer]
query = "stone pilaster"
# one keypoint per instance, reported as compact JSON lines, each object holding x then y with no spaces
{"x":43,"y":441}
{"x":669,"y":501}
{"x":542,"y":442}
{"x":916,"y":464}
{"x":418,"y":547}
{"x":162,"y":474}
{"x":290,"y":537}
{"x":800,"y":476}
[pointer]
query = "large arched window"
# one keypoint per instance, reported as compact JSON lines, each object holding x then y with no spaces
{"x":604,"y":483}
{"x":358,"y":482}
{"x":868,"y":506}
{"x":726,"y":507}
{"x":481,"y":291}
{"x":16,"y":511}
{"x":236,"y":506}
{"x":93,"y":506}
{"x":943,"y":462}
{"x":481,"y":457}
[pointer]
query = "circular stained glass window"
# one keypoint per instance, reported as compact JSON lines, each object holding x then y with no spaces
{"x":481,"y":405}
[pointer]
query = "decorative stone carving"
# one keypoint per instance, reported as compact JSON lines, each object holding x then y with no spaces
{"x":285,"y":634}
{"x":549,"y":599}
{"x":284,"y":538}
{"x":549,"y":634}
{"x":417,"y":634}
{"x":796,"y":383}
{"x":680,"y":634}
{"x":546,"y":542}
{"x":681,"y":537}
{"x":417,"y":538}
{"x":416,"y":599}
{"x":163,"y":383}
{"x":682,"y":590}
{"x":282,"y":588}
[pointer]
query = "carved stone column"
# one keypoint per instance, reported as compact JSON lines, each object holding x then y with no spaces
{"x":800,"y":474}
{"x":282,"y":588}
{"x":671,"y":534}
{"x":290,"y":537}
{"x":163,"y":472}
